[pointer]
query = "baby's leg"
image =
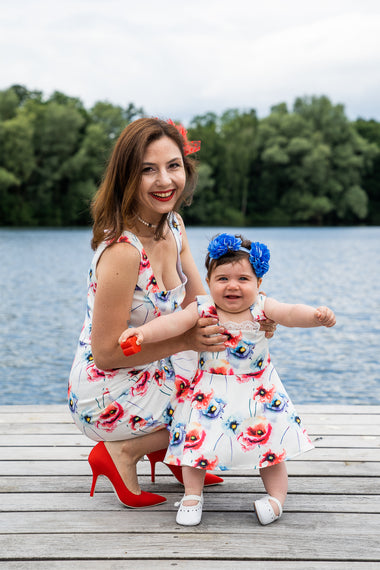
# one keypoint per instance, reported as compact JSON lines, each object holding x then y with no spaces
{"x":275,"y":479}
{"x":193,"y":479}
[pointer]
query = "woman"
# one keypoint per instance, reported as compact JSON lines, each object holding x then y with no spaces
{"x":142,"y":268}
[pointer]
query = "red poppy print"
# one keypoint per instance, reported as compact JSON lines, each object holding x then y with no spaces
{"x":209,"y":312}
{"x":253,"y":434}
{"x":94,"y":374}
{"x":203,"y":462}
{"x":232,"y":339}
{"x":144,"y":263}
{"x":195,"y":437}
{"x":263,"y":394}
{"x":141,"y":386}
{"x":201,"y":400}
{"x":182,"y":387}
{"x":270,"y":458}
{"x":108,"y":418}
{"x":152,"y":284}
{"x":225,"y":370}
{"x":159,"y":377}
{"x":136,"y":422}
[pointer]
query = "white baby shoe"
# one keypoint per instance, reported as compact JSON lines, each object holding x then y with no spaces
{"x":264,"y":510}
{"x":189,"y":515}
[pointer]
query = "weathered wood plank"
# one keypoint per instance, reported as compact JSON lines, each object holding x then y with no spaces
{"x":164,"y":522}
{"x":47,"y":516}
{"x":106,"y":564}
{"x":213,"y":502}
{"x":165,"y":484}
{"x":69,"y":468}
{"x":196,"y":544}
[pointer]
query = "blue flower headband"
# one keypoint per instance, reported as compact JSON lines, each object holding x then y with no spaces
{"x":259,"y":254}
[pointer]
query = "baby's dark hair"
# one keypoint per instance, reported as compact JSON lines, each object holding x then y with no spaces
{"x":230,"y":256}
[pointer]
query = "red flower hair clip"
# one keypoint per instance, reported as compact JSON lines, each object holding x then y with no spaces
{"x":189,"y":147}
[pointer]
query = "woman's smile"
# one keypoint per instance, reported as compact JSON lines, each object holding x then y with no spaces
{"x":163,"y":196}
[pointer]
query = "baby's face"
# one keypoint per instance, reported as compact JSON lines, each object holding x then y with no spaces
{"x":234,"y":286}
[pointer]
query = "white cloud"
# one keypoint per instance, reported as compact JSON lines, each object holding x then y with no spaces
{"x":181,"y":59}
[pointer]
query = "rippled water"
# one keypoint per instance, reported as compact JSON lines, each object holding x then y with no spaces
{"x":43,"y":291}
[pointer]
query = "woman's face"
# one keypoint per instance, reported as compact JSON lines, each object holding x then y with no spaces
{"x":163,"y":179}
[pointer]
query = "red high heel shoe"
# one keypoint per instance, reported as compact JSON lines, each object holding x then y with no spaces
{"x":158,"y":457}
{"x":101,"y":464}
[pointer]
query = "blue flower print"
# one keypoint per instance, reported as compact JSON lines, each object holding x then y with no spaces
{"x":177,"y":434}
{"x":278,"y":404}
{"x":231,"y":425}
{"x":86,"y":418}
{"x":88,"y":356}
{"x":295,"y":419}
{"x":259,"y":362}
{"x":168,"y":415}
{"x":73,"y":401}
{"x":214,"y":409}
{"x":242,"y":351}
{"x":169,"y":370}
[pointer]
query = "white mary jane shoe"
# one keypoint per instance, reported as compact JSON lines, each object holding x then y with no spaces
{"x":189,"y":515}
{"x":264,"y":510}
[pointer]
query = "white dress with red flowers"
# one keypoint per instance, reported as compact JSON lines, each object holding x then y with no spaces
{"x":123,"y":403}
{"x":236,"y":412}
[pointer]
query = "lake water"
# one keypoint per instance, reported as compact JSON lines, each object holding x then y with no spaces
{"x":43,"y":293}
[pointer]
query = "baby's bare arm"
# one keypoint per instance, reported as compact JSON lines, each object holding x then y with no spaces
{"x":298,"y":315}
{"x":164,"y":327}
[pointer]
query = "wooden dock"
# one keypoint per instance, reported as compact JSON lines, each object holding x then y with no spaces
{"x":48,"y":520}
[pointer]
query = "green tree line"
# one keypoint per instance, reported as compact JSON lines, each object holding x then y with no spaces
{"x":308,"y":165}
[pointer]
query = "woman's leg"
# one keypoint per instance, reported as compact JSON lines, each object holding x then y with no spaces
{"x":193,"y":479}
{"x":275,"y":479}
{"x":125,"y":454}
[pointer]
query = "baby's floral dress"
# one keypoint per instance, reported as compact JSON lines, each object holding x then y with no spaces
{"x":236,"y":412}
{"x":123,"y":403}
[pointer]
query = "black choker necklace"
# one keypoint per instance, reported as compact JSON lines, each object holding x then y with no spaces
{"x":147,"y":224}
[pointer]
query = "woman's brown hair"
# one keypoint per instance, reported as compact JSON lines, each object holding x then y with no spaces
{"x":114,"y":205}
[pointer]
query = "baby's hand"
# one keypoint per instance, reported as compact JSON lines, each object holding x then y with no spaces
{"x":325,"y":316}
{"x":131,"y":332}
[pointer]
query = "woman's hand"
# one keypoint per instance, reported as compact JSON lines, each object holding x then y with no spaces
{"x":269,"y":327}
{"x":206,"y":336}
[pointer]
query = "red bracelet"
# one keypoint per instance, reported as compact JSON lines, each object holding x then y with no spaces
{"x":130,"y":346}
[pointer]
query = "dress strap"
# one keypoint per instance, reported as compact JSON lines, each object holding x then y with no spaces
{"x":206,"y":306}
{"x":257,"y":309}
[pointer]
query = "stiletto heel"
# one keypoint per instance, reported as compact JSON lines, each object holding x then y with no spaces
{"x":101,"y":464}
{"x":158,"y":457}
{"x":94,"y":479}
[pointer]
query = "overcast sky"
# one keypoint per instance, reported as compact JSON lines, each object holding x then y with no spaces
{"x":182,"y":58}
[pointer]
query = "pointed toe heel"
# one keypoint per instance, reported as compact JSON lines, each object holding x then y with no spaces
{"x":101,"y":464}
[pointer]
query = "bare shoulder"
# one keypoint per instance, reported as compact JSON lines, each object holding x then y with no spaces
{"x":119,"y":257}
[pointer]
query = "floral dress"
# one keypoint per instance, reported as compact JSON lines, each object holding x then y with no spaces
{"x":236,"y":412}
{"x":123,"y":403}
